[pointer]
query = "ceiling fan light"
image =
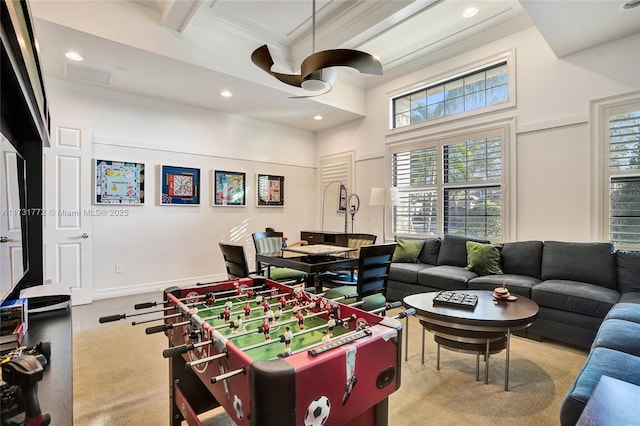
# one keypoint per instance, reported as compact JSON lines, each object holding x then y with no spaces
{"x":322,"y":79}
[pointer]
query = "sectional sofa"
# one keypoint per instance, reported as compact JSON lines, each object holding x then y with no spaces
{"x":588,"y":294}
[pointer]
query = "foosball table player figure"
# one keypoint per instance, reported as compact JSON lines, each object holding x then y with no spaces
{"x":357,"y":355}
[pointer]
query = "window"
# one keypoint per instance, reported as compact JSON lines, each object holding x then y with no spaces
{"x":474,"y":90}
{"x":623,"y":124}
{"x":453,"y":185}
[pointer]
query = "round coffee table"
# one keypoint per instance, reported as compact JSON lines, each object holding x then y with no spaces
{"x":483,"y":329}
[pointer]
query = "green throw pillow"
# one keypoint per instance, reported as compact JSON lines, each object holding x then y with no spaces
{"x":407,"y":251}
{"x":483,"y":259}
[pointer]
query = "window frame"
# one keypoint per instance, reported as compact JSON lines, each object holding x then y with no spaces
{"x":600,"y":111}
{"x":503,"y":128}
{"x":469,"y":69}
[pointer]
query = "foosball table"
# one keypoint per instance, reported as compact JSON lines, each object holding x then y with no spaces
{"x":274,"y":355}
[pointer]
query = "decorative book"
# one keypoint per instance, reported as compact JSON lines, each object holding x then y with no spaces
{"x":450,"y":298}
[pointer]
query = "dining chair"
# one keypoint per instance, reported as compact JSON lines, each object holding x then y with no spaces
{"x":234,"y":260}
{"x":271,"y":243}
{"x":356,"y":241}
{"x":372,"y":276}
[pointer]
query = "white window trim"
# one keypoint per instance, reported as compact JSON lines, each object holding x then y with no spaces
{"x":426,"y":137}
{"x":509,"y":56}
{"x":599,"y":140}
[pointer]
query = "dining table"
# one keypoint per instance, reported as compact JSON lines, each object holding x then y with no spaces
{"x":313,"y":259}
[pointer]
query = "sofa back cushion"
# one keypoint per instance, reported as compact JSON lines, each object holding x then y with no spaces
{"x":628,"y":271}
{"x":593,"y":263}
{"x":430,"y":250}
{"x":453,"y":250}
{"x":407,"y":250}
{"x":522,"y":258}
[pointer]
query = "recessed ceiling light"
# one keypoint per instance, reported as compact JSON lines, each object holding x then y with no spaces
{"x":470,"y":11}
{"x":226,"y":94}
{"x":74,"y":56}
{"x":318,"y":117}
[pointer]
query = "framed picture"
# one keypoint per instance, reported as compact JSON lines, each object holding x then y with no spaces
{"x":119,"y":182}
{"x":179,"y":186}
{"x":229,"y":188}
{"x":342,"y":199}
{"x":270,"y":191}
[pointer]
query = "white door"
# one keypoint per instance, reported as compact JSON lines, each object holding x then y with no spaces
{"x":67,"y":198}
{"x":11,"y":216}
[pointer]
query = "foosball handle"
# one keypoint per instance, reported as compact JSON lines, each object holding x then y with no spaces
{"x":394,"y":305}
{"x":177,"y":350}
{"x":145,"y":305}
{"x":112,"y":318}
{"x":406,"y":313}
{"x":158,"y":328}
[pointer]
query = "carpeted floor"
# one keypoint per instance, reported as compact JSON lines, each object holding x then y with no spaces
{"x":120,"y":378}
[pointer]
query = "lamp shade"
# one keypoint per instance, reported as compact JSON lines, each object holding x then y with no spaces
{"x":378,"y":196}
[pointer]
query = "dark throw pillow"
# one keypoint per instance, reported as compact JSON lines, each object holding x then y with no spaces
{"x":407,"y":251}
{"x":483,"y":259}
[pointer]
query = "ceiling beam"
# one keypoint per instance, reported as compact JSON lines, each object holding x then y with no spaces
{"x":176,"y":14}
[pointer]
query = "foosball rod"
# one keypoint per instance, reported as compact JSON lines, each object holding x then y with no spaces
{"x":386,"y":308}
{"x":270,"y":341}
{"x":156,"y":319}
{"x":145,"y":305}
{"x":224,"y":376}
{"x":192,"y":364}
{"x":284,"y":322}
{"x":214,"y":308}
{"x":117,"y":317}
{"x":251,"y":319}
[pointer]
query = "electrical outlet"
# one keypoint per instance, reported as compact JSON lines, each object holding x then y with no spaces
{"x":118,"y":268}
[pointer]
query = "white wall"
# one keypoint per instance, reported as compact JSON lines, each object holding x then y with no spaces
{"x":552,"y":162}
{"x":158,"y":245}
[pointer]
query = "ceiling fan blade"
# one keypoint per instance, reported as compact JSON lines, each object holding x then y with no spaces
{"x":363,"y":62}
{"x":262,"y":58}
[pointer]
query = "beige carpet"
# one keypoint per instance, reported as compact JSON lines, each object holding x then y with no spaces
{"x":120,"y":378}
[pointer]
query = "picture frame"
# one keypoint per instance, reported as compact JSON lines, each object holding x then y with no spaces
{"x":342,"y":199}
{"x":229,"y":189}
{"x":179,"y":186}
{"x":119,"y":182}
{"x":270,"y":190}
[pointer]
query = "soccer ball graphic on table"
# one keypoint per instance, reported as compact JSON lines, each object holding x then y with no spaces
{"x":237,"y":405}
{"x":317,"y":412}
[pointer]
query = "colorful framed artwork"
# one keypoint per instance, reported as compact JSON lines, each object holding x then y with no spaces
{"x":229,"y":188}
{"x":179,"y":186}
{"x":270,"y":191}
{"x":119,"y":182}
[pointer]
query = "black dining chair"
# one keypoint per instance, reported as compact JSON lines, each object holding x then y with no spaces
{"x":271,"y":243}
{"x":372,"y":276}
{"x":235,"y":260}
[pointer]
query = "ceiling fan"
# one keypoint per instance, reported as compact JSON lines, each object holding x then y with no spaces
{"x":316,"y":71}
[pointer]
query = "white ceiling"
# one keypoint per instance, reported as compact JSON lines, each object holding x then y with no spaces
{"x":189,"y":50}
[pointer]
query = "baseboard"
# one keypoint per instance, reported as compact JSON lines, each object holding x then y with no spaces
{"x":154,"y":287}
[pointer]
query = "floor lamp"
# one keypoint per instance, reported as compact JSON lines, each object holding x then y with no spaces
{"x":378,"y":197}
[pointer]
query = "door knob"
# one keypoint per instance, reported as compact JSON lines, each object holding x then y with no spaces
{"x":85,"y":236}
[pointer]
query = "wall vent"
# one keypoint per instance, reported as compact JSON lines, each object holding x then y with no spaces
{"x":91,"y":75}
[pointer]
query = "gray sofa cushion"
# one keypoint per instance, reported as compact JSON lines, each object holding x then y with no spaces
{"x":601,"y":361}
{"x":445,"y":277}
{"x":574,"y":296}
{"x":620,"y":335}
{"x":631,"y":297}
{"x":517,"y":284}
{"x":522,"y":258}
{"x":593,"y":263}
{"x":628,"y":270}
{"x":453,"y":250}
{"x":430,"y":250}
{"x":406,"y":272}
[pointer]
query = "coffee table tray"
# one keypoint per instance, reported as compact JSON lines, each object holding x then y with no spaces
{"x":451,"y":298}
